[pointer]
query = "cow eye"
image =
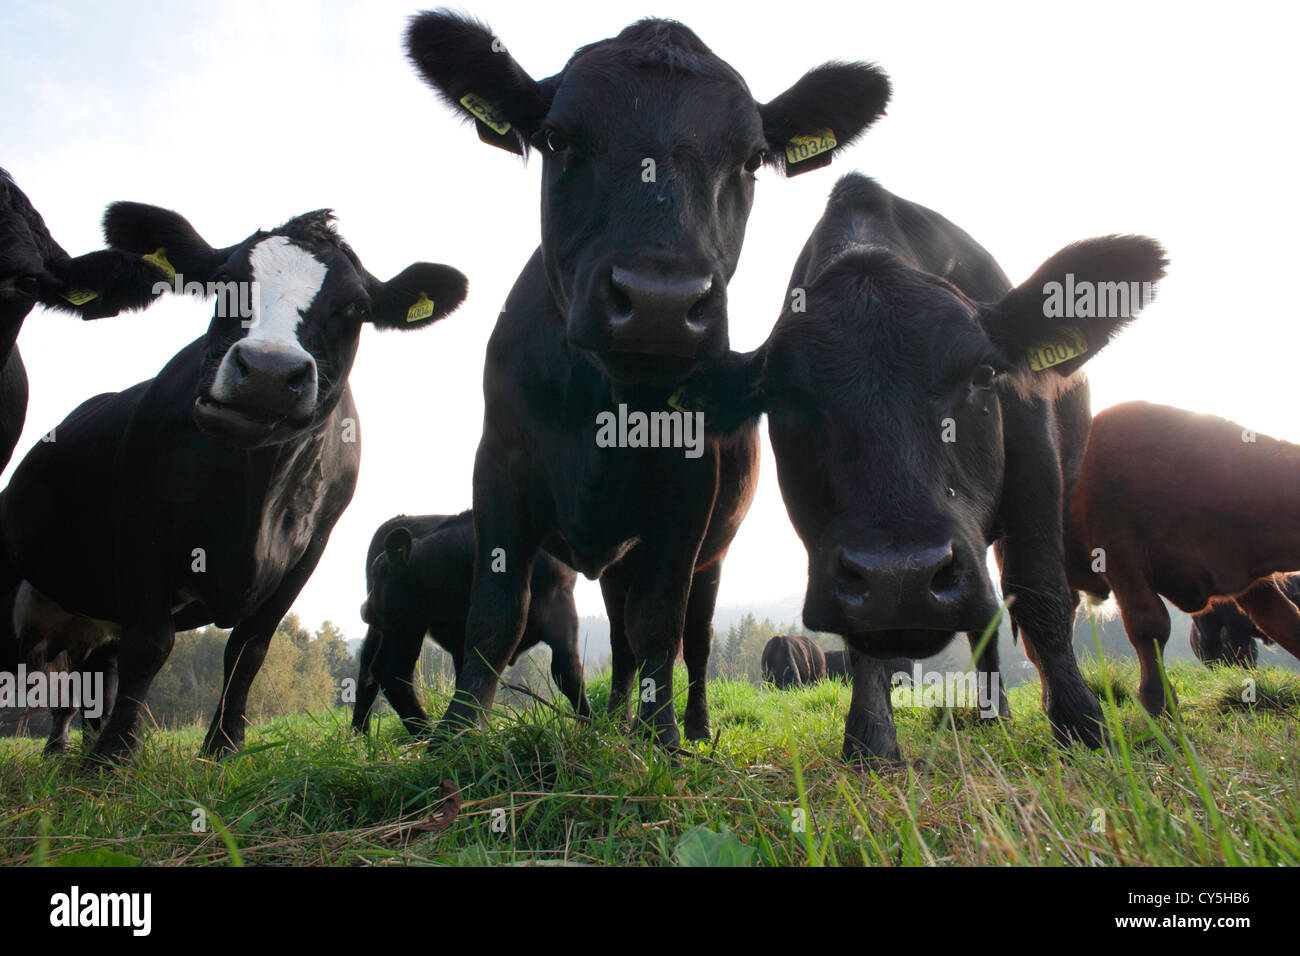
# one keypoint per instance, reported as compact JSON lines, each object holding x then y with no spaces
{"x":27,"y":285}
{"x":552,"y":141}
{"x":983,"y":377}
{"x":355,"y":311}
{"x":755,"y":161}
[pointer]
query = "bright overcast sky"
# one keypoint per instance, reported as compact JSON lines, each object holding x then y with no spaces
{"x":1030,"y":126}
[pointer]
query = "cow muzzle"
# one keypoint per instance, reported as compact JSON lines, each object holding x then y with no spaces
{"x":258,"y":387}
{"x":930,"y":587}
{"x":653,"y":324}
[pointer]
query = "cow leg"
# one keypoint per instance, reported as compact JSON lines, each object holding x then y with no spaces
{"x":60,"y":722}
{"x":566,"y":671}
{"x":367,"y":684}
{"x":656,"y":615}
{"x":245,"y":651}
{"x":102,"y":660}
{"x":989,"y":673}
{"x":869,"y":731}
{"x":499,"y":599}
{"x":1273,"y":613}
{"x":557,"y":623}
{"x":142,"y":650}
{"x":613,"y":588}
{"x":395,"y":670}
{"x":1146,"y":621}
{"x":697,"y":642}
{"x":1032,"y":558}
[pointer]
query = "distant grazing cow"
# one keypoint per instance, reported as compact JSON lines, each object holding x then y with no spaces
{"x":207,"y":494}
{"x":79,"y":646}
{"x":419,"y":570}
{"x":920,"y":409}
{"x":839,"y":664}
{"x":649,"y":146}
{"x":1222,"y":634}
{"x":792,"y":660}
{"x":1190,"y":507}
{"x":35,"y":269}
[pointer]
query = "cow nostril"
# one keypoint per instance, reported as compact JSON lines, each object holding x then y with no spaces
{"x":298,"y":380}
{"x":944,"y":580}
{"x":695,"y":314}
{"x":621,"y":302}
{"x":850,"y":573}
{"x":241,"y":364}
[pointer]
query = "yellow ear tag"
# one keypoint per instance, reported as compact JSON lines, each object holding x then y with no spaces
{"x":486,"y":113}
{"x":159,"y":258}
{"x":681,"y":401}
{"x":806,"y":147}
{"x":422,"y":309}
{"x":1046,"y":354}
{"x":80,"y":296}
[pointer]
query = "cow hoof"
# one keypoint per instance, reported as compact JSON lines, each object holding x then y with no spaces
{"x":863,"y":761}
{"x":698,"y":730}
{"x":55,"y":748}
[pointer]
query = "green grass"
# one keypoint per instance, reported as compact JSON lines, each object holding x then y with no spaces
{"x":1217,"y":783}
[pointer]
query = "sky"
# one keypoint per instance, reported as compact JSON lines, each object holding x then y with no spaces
{"x":1029,"y":125}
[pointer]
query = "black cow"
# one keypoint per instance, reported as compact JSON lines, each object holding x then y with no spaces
{"x":62,"y":647}
{"x":35,"y":269}
{"x":911,"y":430}
{"x":650,"y":144}
{"x":207,"y":494}
{"x":839,"y":664}
{"x":792,"y":660}
{"x":1223,"y":634}
{"x":419,"y":570}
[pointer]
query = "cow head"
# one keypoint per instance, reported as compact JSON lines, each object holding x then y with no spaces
{"x":390,"y":580}
{"x":290,"y":306}
{"x":35,"y":269}
{"x":884,"y":399}
{"x":650,"y":145}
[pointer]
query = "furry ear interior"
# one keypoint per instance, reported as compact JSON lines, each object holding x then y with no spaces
{"x":730,"y":393}
{"x":397,"y":545}
{"x":470,"y":69}
{"x":418,"y":296}
{"x":824,"y":112}
{"x":1076,"y":302}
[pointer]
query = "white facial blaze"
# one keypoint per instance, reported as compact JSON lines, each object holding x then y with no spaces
{"x":288,"y":279}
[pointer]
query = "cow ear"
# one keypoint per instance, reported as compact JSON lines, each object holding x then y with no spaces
{"x":1076,"y":302}
{"x":102,"y":284}
{"x":730,"y":393}
{"x":418,"y":296}
{"x":163,"y":238}
{"x":397,"y":545}
{"x":823,"y":113}
{"x":474,"y":74}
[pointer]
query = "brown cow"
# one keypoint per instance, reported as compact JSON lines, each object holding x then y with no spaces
{"x":792,"y":660}
{"x":1187,"y":506}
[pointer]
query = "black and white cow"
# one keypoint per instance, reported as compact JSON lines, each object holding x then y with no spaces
{"x":921,"y":409}
{"x":649,"y":144}
{"x":207,"y":494}
{"x":419,"y":570}
{"x":35,"y":269}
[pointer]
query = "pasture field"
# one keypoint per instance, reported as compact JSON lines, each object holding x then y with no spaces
{"x":1215,"y":784}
